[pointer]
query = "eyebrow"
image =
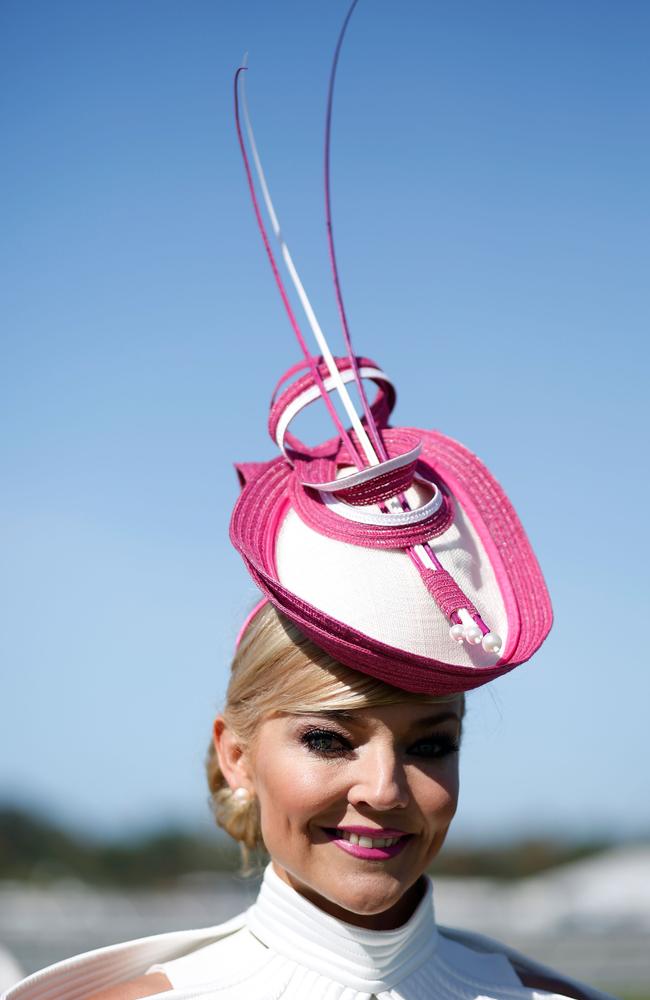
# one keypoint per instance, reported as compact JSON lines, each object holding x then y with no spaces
{"x":338,"y":714}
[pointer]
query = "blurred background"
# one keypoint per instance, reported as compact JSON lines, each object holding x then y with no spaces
{"x":490,"y":171}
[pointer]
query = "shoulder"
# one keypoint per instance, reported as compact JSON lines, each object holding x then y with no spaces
{"x":225,"y":962}
{"x":119,"y":971}
{"x":148,"y":985}
{"x":465,"y":948}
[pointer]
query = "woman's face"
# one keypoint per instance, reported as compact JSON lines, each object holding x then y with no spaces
{"x":327,"y":780}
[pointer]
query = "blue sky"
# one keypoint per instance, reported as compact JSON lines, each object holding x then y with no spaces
{"x":490,"y":186}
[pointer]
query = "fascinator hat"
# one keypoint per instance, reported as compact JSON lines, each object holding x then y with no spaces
{"x":392,"y":548}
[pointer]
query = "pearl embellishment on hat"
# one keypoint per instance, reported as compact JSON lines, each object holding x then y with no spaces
{"x":471,"y":633}
{"x":457,"y":633}
{"x":492,"y":643}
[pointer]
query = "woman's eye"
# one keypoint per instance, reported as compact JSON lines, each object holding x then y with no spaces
{"x":323,"y":741}
{"x":435,"y":746}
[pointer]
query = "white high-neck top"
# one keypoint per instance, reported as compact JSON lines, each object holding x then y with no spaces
{"x":367,"y":961}
{"x":285,"y":948}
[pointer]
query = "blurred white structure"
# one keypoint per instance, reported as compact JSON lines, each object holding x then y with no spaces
{"x":10,"y":971}
{"x":606,"y":893}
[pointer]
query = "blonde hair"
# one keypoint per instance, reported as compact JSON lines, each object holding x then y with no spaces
{"x":276,"y":669}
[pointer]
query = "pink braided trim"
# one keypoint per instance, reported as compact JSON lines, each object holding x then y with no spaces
{"x":247,"y":471}
{"x":381,"y":406}
{"x":303,"y":485}
{"x":352,"y":479}
{"x":446,"y":592}
{"x":382,"y":487}
{"x":299,"y":366}
{"x":317,"y":515}
{"x":365,"y":487}
{"x":314,"y":471}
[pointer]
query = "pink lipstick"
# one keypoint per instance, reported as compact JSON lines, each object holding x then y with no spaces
{"x":347,"y":839}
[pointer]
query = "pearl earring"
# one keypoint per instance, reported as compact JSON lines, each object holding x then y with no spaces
{"x":241,"y":795}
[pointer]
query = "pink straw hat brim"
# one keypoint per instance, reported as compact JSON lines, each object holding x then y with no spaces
{"x":265,"y":502}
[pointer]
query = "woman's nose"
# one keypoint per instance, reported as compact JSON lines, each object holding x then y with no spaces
{"x":379,"y":781}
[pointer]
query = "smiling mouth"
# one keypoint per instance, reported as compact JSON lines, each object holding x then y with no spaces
{"x":367,"y":848}
{"x":354,"y":838}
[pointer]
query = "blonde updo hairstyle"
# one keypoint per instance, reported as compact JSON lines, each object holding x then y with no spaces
{"x":276,"y":669}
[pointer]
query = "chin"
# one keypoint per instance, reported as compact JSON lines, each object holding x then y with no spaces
{"x":370,"y":893}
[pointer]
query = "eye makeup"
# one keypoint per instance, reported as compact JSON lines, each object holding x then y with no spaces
{"x":326,"y":742}
{"x":331,"y":743}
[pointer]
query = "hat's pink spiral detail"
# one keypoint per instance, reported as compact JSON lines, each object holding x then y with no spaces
{"x":378,"y":482}
{"x":377,"y":540}
{"x":484,"y":543}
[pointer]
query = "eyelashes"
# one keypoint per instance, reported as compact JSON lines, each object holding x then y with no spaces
{"x":326,"y":743}
{"x":437,"y":746}
{"x":330,"y":744}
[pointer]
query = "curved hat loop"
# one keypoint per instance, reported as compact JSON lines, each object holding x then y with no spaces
{"x":305,"y":390}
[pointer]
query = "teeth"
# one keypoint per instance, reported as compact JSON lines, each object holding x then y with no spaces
{"x":354,"y":838}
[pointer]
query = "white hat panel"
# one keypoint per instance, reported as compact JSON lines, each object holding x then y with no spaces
{"x":380,"y":592}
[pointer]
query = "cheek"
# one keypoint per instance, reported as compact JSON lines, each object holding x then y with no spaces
{"x":292,"y":790}
{"x":436,"y":794}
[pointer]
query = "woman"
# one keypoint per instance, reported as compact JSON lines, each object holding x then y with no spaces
{"x":350,"y":785}
{"x":396,"y":576}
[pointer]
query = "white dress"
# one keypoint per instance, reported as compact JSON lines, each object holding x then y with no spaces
{"x":285,"y":948}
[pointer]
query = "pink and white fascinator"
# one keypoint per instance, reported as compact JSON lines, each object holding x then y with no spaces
{"x":392,"y":548}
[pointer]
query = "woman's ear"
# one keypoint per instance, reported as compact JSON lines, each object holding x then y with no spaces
{"x":232,"y":756}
